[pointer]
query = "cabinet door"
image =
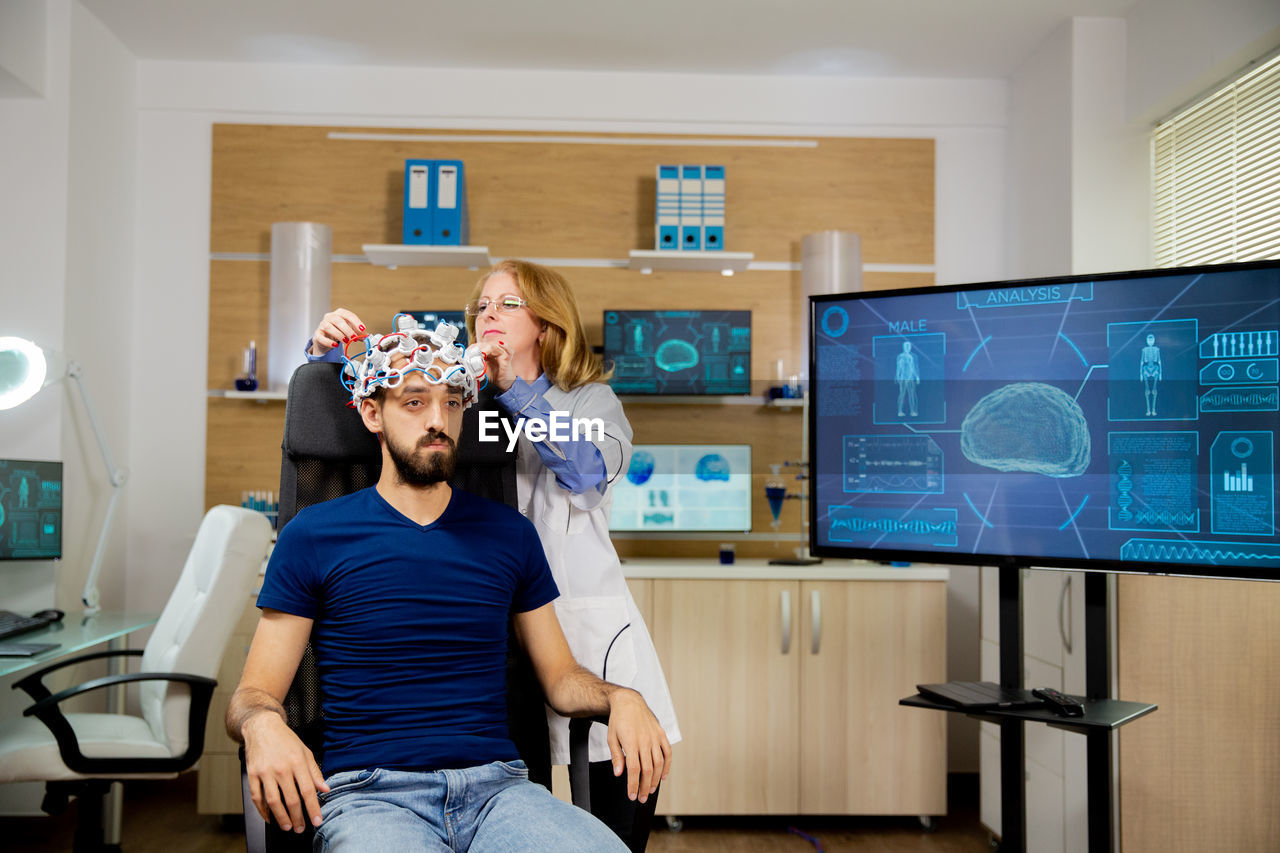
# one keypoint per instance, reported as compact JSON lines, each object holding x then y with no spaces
{"x":735,"y":685}
{"x":863,"y":646}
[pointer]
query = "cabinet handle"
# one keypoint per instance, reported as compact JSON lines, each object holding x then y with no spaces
{"x":786,"y":621}
{"x":1062,"y":610}
{"x":815,"y":645}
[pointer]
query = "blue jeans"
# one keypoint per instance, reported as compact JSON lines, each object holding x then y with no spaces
{"x":493,"y":807}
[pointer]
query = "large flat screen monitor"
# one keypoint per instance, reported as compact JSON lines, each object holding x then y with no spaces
{"x":1122,"y":422}
{"x":30,"y":510}
{"x":684,"y":487}
{"x":678,"y":352}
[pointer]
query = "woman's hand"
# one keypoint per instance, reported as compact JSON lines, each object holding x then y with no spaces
{"x":498,"y":364}
{"x":337,"y":327}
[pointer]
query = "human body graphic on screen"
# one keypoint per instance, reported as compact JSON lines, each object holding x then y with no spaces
{"x":1149,"y":370}
{"x":908,"y":377}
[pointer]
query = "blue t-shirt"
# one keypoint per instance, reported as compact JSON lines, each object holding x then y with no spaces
{"x":410,"y":628}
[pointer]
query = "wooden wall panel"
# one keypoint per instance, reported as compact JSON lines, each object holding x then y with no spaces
{"x":554,"y":200}
{"x":549,"y":199}
{"x":242,"y":449}
{"x":1203,"y":771}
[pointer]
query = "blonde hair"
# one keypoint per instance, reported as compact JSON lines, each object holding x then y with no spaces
{"x":567,"y":360}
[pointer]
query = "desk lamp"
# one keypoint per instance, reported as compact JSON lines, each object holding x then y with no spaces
{"x":26,"y":368}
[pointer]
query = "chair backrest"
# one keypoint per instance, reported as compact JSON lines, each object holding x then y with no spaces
{"x":202,"y":611}
{"x":326,"y":453}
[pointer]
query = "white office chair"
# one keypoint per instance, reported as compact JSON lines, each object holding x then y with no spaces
{"x":80,"y":754}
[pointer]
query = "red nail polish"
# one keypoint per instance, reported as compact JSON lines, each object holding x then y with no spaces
{"x":362,"y":328}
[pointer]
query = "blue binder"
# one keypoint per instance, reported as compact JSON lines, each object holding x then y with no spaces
{"x":713,"y":208}
{"x":691,"y":208}
{"x":667,"y":209}
{"x":419,"y":176}
{"x":449,"y":211}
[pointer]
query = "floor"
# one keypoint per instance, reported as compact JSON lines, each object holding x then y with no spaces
{"x":161,"y":818}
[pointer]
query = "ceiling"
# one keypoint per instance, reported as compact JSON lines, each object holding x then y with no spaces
{"x":862,"y":38}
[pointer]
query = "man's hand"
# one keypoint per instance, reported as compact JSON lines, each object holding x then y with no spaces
{"x":283,"y":774}
{"x":336,"y":327}
{"x":638,"y":744}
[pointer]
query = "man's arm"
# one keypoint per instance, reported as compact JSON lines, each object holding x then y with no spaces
{"x":283,"y":774}
{"x":636,"y":740}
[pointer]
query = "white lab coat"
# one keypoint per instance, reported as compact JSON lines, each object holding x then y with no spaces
{"x":595,"y":604}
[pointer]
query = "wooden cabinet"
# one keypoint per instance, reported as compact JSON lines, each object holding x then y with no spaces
{"x":865,"y":645}
{"x":787,"y":694}
{"x":729,"y":650}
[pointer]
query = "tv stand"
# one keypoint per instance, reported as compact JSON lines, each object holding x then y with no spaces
{"x":1102,"y":714}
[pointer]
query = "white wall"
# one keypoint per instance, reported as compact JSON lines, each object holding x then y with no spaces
{"x":23,"y":44}
{"x":66,"y":234}
{"x":33,"y":225}
{"x":1178,"y":49}
{"x":99,"y":295}
{"x":1039,"y":224}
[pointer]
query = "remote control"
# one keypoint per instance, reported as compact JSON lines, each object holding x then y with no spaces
{"x":1060,"y":703}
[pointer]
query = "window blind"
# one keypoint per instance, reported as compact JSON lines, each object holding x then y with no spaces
{"x":1217,"y":174}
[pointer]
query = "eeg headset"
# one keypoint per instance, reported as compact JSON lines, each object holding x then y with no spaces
{"x":433,"y":354}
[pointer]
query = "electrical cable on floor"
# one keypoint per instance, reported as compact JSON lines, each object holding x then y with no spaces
{"x":807,"y":837}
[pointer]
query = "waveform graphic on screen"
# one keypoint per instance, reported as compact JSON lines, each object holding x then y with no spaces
{"x":872,"y":524}
{"x":1213,"y":553}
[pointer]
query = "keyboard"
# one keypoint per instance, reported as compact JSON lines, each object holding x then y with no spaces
{"x":13,"y":624}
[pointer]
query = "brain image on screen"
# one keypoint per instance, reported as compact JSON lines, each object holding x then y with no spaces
{"x":675,"y":355}
{"x":641,"y":468}
{"x":684,"y":487}
{"x":1027,"y":426}
{"x":713,"y":466}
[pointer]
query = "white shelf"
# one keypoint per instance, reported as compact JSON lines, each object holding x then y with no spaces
{"x":648,"y":260}
{"x":394,"y":255}
{"x":261,"y":396}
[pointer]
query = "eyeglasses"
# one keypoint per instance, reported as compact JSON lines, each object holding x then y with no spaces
{"x":506,"y":303}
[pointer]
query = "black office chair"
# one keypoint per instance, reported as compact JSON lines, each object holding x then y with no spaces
{"x":327,"y":452}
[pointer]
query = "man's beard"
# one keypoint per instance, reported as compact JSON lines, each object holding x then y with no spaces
{"x":434,"y":467}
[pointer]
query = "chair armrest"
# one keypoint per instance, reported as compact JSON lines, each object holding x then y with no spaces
{"x":47,"y":710}
{"x":580,"y":758}
{"x":33,"y":686}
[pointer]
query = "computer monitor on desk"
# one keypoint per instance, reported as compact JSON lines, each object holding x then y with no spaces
{"x":30,"y":510}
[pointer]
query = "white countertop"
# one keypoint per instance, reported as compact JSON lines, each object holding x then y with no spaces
{"x":759,"y":569}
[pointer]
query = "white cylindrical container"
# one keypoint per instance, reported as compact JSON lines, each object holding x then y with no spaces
{"x":831,"y":262}
{"x":301,"y":257}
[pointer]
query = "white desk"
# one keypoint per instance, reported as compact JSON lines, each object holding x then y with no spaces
{"x":74,"y":634}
